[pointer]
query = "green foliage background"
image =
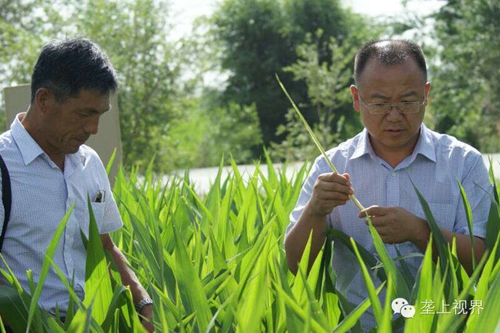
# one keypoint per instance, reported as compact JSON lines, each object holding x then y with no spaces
{"x":171,"y":109}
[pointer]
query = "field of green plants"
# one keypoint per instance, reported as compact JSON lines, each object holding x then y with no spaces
{"x":217,"y":263}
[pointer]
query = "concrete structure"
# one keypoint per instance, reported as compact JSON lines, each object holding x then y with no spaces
{"x":17,"y":99}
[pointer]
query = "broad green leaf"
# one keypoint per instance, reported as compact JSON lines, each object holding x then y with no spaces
{"x":111,"y":161}
{"x":436,"y":233}
{"x":192,"y":294}
{"x":51,"y":249}
{"x":370,"y":287}
{"x":468,"y":214}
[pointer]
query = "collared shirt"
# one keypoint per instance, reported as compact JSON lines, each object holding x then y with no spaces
{"x":436,"y":164}
{"x":41,"y":196}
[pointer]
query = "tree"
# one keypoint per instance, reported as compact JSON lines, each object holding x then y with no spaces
{"x":466,"y":98}
{"x":260,"y":37}
{"x":134,"y":35}
{"x":328,"y":92}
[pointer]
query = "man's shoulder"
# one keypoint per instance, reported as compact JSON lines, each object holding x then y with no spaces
{"x":6,"y":140}
{"x":448,"y":144}
{"x":345,"y":149}
{"x":88,"y":151}
{"x":339,"y":153}
{"x":90,"y":156}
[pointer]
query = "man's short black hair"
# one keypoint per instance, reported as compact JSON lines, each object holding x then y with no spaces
{"x":389,"y":52}
{"x":69,"y":65}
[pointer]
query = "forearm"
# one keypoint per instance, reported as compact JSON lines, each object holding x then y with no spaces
{"x":463,"y":244}
{"x":127,"y":275}
{"x":129,"y":278}
{"x":297,"y":238}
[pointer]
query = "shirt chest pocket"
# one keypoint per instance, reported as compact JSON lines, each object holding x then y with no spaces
{"x":98,"y":208}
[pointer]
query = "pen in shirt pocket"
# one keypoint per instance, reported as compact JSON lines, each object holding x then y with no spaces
{"x":101,"y":196}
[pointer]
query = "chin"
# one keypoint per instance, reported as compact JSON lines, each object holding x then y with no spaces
{"x":72,"y":150}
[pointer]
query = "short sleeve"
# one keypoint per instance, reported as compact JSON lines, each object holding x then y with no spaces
{"x":112,"y":220}
{"x":479,"y":192}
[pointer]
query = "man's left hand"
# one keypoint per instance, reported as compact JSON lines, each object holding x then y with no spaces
{"x":396,"y":224}
{"x":146,"y":316}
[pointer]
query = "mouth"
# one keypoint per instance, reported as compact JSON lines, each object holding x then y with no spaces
{"x":394,"y":132}
{"x":81,"y":141}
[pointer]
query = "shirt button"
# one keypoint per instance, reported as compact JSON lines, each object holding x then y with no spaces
{"x":393,"y":174}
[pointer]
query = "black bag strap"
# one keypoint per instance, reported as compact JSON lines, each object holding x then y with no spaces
{"x":6,"y":198}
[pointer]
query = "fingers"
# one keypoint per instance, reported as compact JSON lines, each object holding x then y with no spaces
{"x":373,"y":211}
{"x":335,"y":178}
{"x":333,"y":182}
{"x":330,"y":190}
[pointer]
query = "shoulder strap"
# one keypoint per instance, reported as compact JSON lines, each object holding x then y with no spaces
{"x":6,"y":198}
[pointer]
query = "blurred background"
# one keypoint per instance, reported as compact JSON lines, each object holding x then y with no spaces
{"x":197,"y":78}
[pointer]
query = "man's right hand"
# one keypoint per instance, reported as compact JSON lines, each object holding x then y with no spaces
{"x":330,"y":190}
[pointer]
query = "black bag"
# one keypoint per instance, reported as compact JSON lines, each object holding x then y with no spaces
{"x":6,"y":198}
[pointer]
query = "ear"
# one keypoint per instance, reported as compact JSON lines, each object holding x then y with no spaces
{"x":44,"y":100}
{"x":426,"y":92}
{"x":355,"y":97}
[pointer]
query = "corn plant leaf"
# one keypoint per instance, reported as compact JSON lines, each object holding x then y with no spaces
{"x":368,"y":258}
{"x":111,"y":161}
{"x":493,"y":227}
{"x":370,"y":287}
{"x":12,"y":306}
{"x":51,"y":249}
{"x":439,"y":240}
{"x":398,"y":282}
{"x":313,"y":137}
{"x":422,"y":321}
{"x":192,"y":294}
{"x":489,"y":321}
{"x":445,"y":323}
{"x":315,"y":308}
{"x":296,"y":309}
{"x":468,"y":214}
{"x":98,"y":291}
{"x":54,"y":326}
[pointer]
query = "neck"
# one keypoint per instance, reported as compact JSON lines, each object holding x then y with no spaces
{"x":35,"y":130}
{"x":394,"y":156}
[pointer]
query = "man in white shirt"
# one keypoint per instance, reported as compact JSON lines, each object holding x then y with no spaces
{"x":380,"y":165}
{"x":51,"y":169}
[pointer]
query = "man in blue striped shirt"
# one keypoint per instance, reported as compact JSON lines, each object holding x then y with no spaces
{"x":379,"y":166}
{"x":51,"y":169}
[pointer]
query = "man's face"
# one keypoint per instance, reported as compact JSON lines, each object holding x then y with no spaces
{"x":70,"y":123}
{"x":394,"y":131}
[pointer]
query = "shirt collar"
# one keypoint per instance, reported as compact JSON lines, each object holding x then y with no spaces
{"x":30,"y":149}
{"x":364,"y":146}
{"x":425,"y":145}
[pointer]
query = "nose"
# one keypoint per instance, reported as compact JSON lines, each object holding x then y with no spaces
{"x":394,"y":115}
{"x":92,"y":125}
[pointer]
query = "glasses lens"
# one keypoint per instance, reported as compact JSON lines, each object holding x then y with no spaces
{"x":409,"y":107}
{"x":379,"y":108}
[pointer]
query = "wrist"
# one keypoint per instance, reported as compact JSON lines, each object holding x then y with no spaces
{"x":421,"y":236}
{"x":312,"y":213}
{"x":142,"y":304}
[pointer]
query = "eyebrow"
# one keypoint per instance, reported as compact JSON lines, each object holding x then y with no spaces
{"x":92,"y":110}
{"x":410,"y":93}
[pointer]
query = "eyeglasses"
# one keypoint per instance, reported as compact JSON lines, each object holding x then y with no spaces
{"x":384,"y":108}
